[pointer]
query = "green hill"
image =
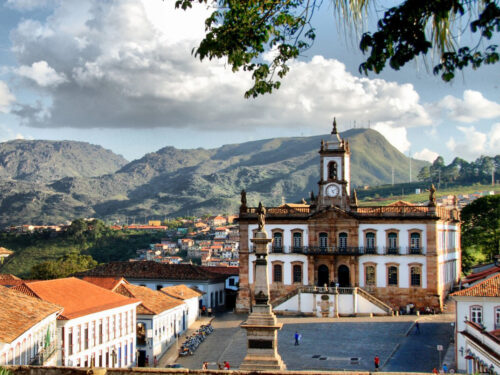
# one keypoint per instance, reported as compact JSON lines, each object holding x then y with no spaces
{"x":174,"y":182}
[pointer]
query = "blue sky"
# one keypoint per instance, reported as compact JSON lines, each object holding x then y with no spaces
{"x":119,"y":73}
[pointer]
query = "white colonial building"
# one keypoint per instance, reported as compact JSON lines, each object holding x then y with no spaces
{"x":27,"y":329}
{"x":156,"y":276}
{"x":190,"y":297}
{"x":478,"y":327}
{"x":402,"y":254}
{"x":96,"y":327}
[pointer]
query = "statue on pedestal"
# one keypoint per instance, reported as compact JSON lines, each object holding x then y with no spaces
{"x":261,"y":217}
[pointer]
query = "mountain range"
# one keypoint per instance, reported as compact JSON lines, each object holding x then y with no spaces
{"x":47,"y":182}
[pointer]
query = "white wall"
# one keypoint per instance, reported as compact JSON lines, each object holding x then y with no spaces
{"x":21,"y":350}
{"x":287,"y":260}
{"x":162,"y":328}
{"x":489,"y":305}
{"x":112,"y":338}
{"x":403,"y":269}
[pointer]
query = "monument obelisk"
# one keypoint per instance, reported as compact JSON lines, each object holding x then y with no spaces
{"x":261,"y":325}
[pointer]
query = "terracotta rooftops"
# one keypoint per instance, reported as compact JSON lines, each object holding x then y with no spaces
{"x":153,"y":270}
{"x":152,"y":302}
{"x":475,"y":276}
{"x":8,"y":276}
{"x":181,"y":292}
{"x":486,"y":288}
{"x":231,"y":271}
{"x":78,"y":297}
{"x":109,"y":283}
{"x":19,"y":312}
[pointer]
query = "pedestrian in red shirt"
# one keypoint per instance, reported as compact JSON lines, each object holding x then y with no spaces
{"x":376,"y":362}
{"x":226,"y":365}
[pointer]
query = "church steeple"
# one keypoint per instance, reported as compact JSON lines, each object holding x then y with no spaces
{"x":334,"y":185}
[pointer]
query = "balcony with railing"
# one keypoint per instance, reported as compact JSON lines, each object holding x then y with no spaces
{"x":344,"y":250}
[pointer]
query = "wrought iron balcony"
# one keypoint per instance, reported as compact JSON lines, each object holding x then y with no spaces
{"x":277,"y":249}
{"x":392,"y":250}
{"x":414,"y":250}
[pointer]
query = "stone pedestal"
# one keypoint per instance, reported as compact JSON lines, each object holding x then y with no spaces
{"x":261,"y":325}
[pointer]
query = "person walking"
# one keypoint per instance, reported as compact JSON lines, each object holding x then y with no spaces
{"x":204,"y":366}
{"x":417,"y":328}
{"x":376,"y":362}
{"x":445,"y":368}
{"x":297,"y":338}
{"x":226,"y":365}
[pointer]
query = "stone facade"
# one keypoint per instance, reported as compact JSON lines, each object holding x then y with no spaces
{"x":402,"y":253}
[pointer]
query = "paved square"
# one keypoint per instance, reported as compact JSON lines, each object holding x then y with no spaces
{"x":345,"y":344}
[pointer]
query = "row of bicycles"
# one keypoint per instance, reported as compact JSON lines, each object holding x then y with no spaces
{"x":192,"y":342}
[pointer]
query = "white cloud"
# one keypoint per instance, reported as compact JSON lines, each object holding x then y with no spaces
{"x":42,"y":74}
{"x":7,"y":134}
{"x":128,"y":64}
{"x":473,"y":107}
{"x":6,"y":97}
{"x":397,"y":136}
{"x":475,"y":143}
{"x":426,"y":154}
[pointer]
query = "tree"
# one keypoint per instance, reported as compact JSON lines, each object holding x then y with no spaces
{"x":242,"y":31}
{"x":63,"y":267}
{"x":481,"y":226}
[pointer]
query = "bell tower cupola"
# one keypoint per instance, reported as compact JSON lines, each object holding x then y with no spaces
{"x":334,"y":185}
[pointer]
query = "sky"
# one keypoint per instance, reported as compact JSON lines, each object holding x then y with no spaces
{"x":120,"y":74}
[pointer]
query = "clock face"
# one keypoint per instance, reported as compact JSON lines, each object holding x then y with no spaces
{"x":332,"y":190}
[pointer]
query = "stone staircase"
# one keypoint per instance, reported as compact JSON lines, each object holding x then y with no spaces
{"x":375,"y":301}
{"x":288,"y":302}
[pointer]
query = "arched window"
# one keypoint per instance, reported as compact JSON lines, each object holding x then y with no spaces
{"x":297,"y":240}
{"x":323,"y":240}
{"x":370,"y":241}
{"x":415,"y":276}
{"x":277,"y":273}
{"x":476,"y":314}
{"x":332,"y":170}
{"x":392,"y":275}
{"x":370,"y":275}
{"x":297,"y":273}
{"x":277,"y":242}
{"x":343,"y":240}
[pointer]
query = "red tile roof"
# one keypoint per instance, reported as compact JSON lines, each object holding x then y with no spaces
{"x":19,"y":312}
{"x":109,"y":283}
{"x":181,"y":292}
{"x":234,"y":271}
{"x":8,"y":276}
{"x":78,"y":297}
{"x":153,"y":270}
{"x":473,"y":277}
{"x":486,"y":288}
{"x":152,"y":302}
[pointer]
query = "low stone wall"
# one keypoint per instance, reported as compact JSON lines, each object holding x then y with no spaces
{"x":38,"y":370}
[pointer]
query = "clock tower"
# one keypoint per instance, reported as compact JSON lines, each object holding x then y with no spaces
{"x":334,"y":185}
